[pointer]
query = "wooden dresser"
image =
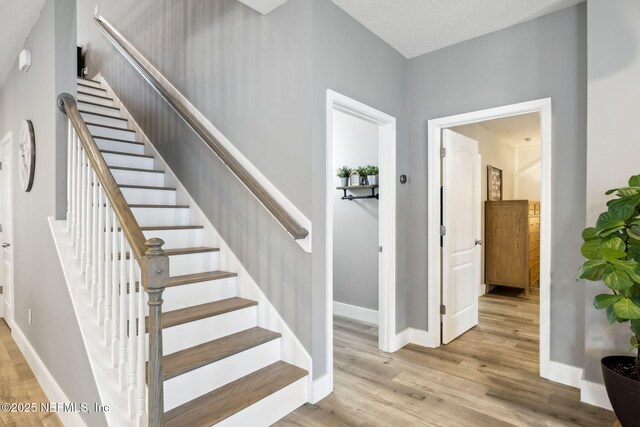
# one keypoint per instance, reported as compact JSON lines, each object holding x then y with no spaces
{"x":512,"y":236}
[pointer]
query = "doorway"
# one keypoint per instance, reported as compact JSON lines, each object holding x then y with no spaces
{"x":6,"y":229}
{"x":342,"y":108}
{"x":457,"y":308}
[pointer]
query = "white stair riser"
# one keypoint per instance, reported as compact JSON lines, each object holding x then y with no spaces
{"x":148,"y":217}
{"x":102,"y":120}
{"x":178,"y":238}
{"x":272,"y":408}
{"x":193,"y":384}
{"x":128,"y":161}
{"x":94,"y":90}
{"x":112,"y":133}
{"x":97,"y":108}
{"x":139,"y":178}
{"x":211,"y":328}
{"x":95,"y":99}
{"x":146,"y":196}
{"x":194,"y":263}
{"x":89,"y":83}
{"x":123,"y":147}
{"x":184,"y":296}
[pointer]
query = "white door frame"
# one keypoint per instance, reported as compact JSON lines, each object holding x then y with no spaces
{"x":435,"y":127}
{"x":387,"y":219}
{"x":7,"y":310}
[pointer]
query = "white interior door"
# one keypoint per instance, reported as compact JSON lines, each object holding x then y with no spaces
{"x":6,"y":235}
{"x":460,"y":251}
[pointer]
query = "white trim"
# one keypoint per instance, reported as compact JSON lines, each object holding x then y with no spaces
{"x":542,"y":106}
{"x":321,"y":388}
{"x":7,"y":309}
{"x":54,"y":392}
{"x":410,"y":336}
{"x":361,"y":314}
{"x":594,"y":394}
{"x":563,"y":374}
{"x":387,"y":219}
{"x":273,"y":191}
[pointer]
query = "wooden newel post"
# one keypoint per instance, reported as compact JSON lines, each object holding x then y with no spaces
{"x":155,"y":275}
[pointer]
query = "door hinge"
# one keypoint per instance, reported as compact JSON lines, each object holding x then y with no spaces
{"x":380,"y":249}
{"x":0,"y":228}
{"x":443,"y":152}
{"x":443,"y":309}
{"x":443,"y":230}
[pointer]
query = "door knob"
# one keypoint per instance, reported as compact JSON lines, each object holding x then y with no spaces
{"x":479,"y":242}
{"x":6,"y":245}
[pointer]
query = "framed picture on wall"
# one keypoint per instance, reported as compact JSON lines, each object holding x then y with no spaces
{"x":494,"y":183}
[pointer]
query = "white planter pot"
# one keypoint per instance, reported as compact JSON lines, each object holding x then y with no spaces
{"x":372,"y":179}
{"x":344,"y":182}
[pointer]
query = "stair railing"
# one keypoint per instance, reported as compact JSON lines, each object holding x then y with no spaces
{"x":118,"y":262}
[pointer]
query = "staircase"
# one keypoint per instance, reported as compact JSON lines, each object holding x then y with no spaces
{"x":221,"y":364}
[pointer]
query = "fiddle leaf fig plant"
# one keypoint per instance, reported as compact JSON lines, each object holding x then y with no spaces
{"x":612,"y":250}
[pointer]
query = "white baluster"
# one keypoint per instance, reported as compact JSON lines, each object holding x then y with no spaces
{"x":92,"y":272}
{"x":99,"y":260}
{"x":131,"y":357}
{"x":141,"y":371}
{"x":122,"y":259}
{"x":107,"y":271}
{"x":83,"y":226}
{"x":69,"y":169}
{"x":115,"y":289}
{"x":74,"y":176}
{"x":78,"y":209}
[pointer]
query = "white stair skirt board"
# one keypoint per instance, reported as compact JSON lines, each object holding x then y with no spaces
{"x":191,"y":385}
{"x":354,"y":312}
{"x":272,"y":408}
{"x":106,"y":382}
{"x":292,"y":350}
{"x":594,"y":394}
{"x":47,"y":381}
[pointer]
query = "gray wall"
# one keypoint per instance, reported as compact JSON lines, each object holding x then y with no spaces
{"x":545,"y":57}
{"x":355,"y":223}
{"x":612,"y":154}
{"x":39,"y":282}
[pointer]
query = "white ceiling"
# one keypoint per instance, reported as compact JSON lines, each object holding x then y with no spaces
{"x":415,"y":27}
{"x":516,"y":129}
{"x":16,"y":20}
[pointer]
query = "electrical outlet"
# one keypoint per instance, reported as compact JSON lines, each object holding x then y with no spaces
{"x":96,"y":10}
{"x":30,"y":318}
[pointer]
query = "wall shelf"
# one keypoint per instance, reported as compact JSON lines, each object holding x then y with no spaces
{"x":373,"y":194}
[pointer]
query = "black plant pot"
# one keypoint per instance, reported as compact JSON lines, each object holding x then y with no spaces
{"x":624,"y":392}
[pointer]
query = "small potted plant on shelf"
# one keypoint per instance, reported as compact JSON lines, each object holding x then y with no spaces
{"x":612,"y":249}
{"x":372,"y":174}
{"x":343,"y":173}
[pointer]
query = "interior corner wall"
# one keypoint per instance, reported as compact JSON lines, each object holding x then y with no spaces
{"x":544,"y":57}
{"x":355,"y":222}
{"x":612,"y":152}
{"x":39,"y":283}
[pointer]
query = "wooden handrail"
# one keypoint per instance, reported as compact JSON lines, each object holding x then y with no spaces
{"x":128,"y":222}
{"x":287,"y":221}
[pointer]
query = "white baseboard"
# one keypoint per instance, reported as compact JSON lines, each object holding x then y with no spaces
{"x":412,"y":336}
{"x":594,"y":394}
{"x":321,"y":388}
{"x":47,"y":382}
{"x":561,"y":373}
{"x":354,"y":312}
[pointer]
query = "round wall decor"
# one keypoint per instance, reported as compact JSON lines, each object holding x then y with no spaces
{"x":27,"y":148}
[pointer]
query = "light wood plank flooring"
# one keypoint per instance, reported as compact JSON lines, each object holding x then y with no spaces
{"x":19,"y":385}
{"x":487,"y":377}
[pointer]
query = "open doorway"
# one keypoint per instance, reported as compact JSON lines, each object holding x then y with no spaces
{"x":490,"y":253}
{"x":361,"y":219}
{"x":6,"y":229}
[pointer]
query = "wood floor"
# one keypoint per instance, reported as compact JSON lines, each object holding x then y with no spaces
{"x":19,"y":385}
{"x":487,"y":377}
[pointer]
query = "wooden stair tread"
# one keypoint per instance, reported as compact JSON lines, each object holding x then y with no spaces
{"x":204,"y":354}
{"x":109,"y":127}
{"x":92,"y":87}
{"x":103,"y":115}
{"x":230,"y":399}
{"x":94,"y":95}
{"x":159,"y":206}
{"x":108,"y":138}
{"x":202,"y":311}
{"x":199,"y":277}
{"x":124,"y":153}
{"x":147,"y":187}
{"x":172,"y":227}
{"x":181,"y":251}
{"x":98,"y":105}
{"x":89,"y":80}
{"x":122,"y":168}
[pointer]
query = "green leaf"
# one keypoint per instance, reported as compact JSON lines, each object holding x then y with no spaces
{"x":634,"y":181}
{"x":628,"y":191}
{"x":616,"y":279}
{"x":632,"y":268}
{"x":605,"y":300}
{"x":611,"y":315}
{"x":626,"y":309}
{"x":591,"y":249}
{"x":635,"y":327}
{"x":624,"y":208}
{"x":634,"y":232}
{"x":633,"y":249}
{"x":610,"y":192}
{"x":613,"y":248}
{"x":608,"y":221}
{"x":589,"y":233}
{"x":614,"y":243}
{"x":634,"y":342}
{"x":592,"y":269}
{"x":613,"y":254}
